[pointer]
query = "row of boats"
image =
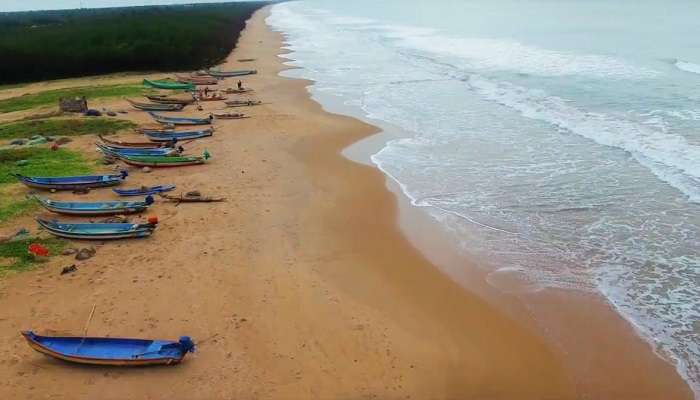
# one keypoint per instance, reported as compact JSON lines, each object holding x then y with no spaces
{"x":162,"y":150}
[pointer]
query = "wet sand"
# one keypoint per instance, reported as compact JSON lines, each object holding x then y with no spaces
{"x":302,"y":285}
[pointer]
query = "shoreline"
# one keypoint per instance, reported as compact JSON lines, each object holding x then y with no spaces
{"x":590,"y":311}
{"x":303,"y":285}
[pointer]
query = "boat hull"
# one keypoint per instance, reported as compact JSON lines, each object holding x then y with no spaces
{"x":71,"y":183}
{"x":144,"y":191}
{"x":168,"y":85}
{"x":162,"y":163}
{"x":98,"y":350}
{"x":108,"y":208}
{"x":73,"y":231}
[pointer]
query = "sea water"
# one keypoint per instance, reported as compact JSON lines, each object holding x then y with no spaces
{"x":560,"y":138}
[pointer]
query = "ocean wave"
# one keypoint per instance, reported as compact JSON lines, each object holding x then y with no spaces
{"x":669,"y":156}
{"x":687,"y":66}
{"x":509,"y":55}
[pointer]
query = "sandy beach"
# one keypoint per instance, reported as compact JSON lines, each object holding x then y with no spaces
{"x":303,"y":285}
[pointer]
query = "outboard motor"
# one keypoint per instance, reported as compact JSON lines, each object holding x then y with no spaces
{"x":186,"y":344}
{"x":149,"y":200}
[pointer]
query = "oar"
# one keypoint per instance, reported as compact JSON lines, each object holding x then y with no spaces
{"x":87,"y":325}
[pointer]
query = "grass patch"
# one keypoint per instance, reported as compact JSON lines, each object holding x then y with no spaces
{"x":11,"y":86}
{"x":63,"y":127}
{"x":50,"y":97}
{"x":19,"y":259}
{"x":11,"y":207}
{"x":41,"y":161}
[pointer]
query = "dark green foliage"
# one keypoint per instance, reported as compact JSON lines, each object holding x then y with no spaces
{"x":14,"y":255}
{"x":63,"y":127}
{"x":50,"y":97}
{"x":37,"y":46}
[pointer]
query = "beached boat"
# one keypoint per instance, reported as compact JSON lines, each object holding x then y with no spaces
{"x":163,"y":161}
{"x":168,"y":85}
{"x":154,"y":128}
{"x":178,"y":135}
{"x":243,"y":103}
{"x":95,"y":208}
{"x":215,"y":97}
{"x":71,"y":182}
{"x":180,"y":120}
{"x":230,"y":115}
{"x":156,"y":106}
{"x":155,"y":151}
{"x":144,"y":190}
{"x":134,"y":145}
{"x":111,"y":351}
{"x":168,"y":99}
{"x":238,"y":91}
{"x":197,"y":80}
{"x":228,"y":74}
{"x":97,"y":231}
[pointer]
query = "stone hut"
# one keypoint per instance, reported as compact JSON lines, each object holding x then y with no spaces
{"x":75,"y":105}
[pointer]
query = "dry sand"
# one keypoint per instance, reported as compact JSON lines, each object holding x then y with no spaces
{"x":302,"y":286}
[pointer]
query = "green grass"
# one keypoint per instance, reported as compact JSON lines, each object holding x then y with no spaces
{"x":11,"y":86}
{"x":11,"y":207}
{"x":63,"y":127}
{"x":50,"y":97}
{"x":41,"y":161}
{"x":16,"y":252}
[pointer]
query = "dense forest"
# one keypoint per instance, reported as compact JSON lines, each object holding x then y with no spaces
{"x":42,"y":45}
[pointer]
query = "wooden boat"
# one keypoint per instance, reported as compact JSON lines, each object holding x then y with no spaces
{"x":163,"y":161}
{"x":167,"y":99}
{"x":178,"y":135}
{"x":243,"y":103}
{"x":228,"y":74}
{"x":156,"y":106}
{"x":72,"y":182}
{"x":193,"y":197}
{"x":144,"y":190}
{"x":230,"y":116}
{"x":134,"y":145}
{"x":168,"y":85}
{"x":95,"y":208}
{"x":154,"y":128}
{"x":121,"y":352}
{"x":179,"y":120}
{"x":197,"y":80}
{"x":155,"y":151}
{"x":97,"y":231}
{"x":238,"y":91}
{"x":211,"y":98}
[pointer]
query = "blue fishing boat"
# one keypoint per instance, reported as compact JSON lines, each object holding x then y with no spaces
{"x":97,"y":231}
{"x":175,"y":135}
{"x":154,"y":151}
{"x":133,"y":145}
{"x":180,"y":120}
{"x":122,"y":352}
{"x":71,"y":182}
{"x":95,"y":208}
{"x":144,"y":190}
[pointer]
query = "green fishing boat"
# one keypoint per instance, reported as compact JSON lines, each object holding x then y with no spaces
{"x":170,"y":85}
{"x":163,"y":161}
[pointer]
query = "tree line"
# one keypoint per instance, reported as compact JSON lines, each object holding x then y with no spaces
{"x":43,"y":45}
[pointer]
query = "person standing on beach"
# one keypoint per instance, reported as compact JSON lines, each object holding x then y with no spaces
{"x":240,"y":85}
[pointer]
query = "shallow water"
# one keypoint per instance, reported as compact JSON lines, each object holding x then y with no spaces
{"x":560,"y":138}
